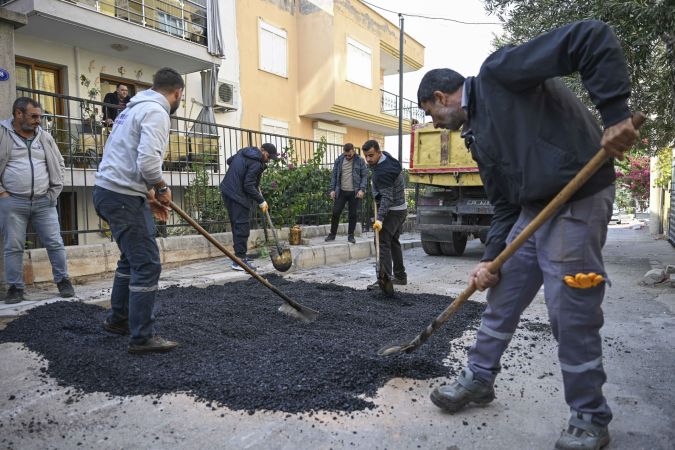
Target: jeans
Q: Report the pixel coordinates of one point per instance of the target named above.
(137, 275)
(342, 198)
(390, 247)
(241, 226)
(15, 213)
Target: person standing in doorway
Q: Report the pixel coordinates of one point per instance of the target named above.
(348, 186)
(119, 99)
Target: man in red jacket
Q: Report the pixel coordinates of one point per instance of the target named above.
(530, 135)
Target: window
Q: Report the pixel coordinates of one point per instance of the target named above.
(335, 139)
(274, 127)
(359, 64)
(273, 51)
(170, 24)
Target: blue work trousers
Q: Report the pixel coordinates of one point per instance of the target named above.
(138, 269)
(569, 243)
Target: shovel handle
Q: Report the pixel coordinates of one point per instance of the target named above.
(553, 206)
(233, 257)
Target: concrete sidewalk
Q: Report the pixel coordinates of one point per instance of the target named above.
(314, 252)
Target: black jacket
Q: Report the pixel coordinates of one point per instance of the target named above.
(242, 179)
(113, 99)
(388, 185)
(530, 134)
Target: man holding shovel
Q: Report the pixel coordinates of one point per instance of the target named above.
(128, 190)
(240, 188)
(530, 135)
(389, 195)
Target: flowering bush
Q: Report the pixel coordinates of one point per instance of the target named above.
(298, 193)
(633, 176)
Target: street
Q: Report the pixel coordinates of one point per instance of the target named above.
(529, 412)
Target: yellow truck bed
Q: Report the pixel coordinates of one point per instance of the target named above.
(439, 157)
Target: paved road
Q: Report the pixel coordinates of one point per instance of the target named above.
(529, 411)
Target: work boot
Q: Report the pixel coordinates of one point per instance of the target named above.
(582, 434)
(351, 239)
(14, 295)
(373, 287)
(117, 328)
(330, 237)
(401, 280)
(155, 344)
(65, 288)
(464, 390)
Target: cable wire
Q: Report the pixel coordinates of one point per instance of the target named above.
(431, 17)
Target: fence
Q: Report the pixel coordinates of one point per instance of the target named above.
(194, 164)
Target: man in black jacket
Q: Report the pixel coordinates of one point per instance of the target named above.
(119, 98)
(392, 210)
(239, 188)
(530, 135)
(348, 186)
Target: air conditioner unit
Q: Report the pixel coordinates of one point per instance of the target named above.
(226, 96)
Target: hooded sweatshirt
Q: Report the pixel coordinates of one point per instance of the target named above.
(242, 179)
(133, 154)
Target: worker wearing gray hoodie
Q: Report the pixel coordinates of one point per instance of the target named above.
(128, 190)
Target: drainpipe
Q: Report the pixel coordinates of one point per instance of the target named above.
(76, 54)
(400, 91)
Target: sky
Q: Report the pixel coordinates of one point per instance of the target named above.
(447, 44)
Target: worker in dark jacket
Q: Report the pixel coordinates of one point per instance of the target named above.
(530, 135)
(392, 210)
(348, 186)
(239, 188)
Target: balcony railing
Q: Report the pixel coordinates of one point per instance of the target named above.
(389, 105)
(184, 19)
(194, 163)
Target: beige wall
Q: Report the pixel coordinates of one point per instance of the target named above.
(317, 65)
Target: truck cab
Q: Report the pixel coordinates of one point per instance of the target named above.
(452, 206)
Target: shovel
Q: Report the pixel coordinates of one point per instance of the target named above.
(553, 206)
(281, 256)
(289, 307)
(382, 279)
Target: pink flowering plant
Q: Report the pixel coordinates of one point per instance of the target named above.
(632, 175)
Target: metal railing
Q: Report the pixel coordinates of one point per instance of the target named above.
(389, 105)
(194, 164)
(184, 19)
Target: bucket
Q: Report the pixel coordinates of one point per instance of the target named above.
(295, 235)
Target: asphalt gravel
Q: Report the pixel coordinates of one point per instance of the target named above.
(237, 351)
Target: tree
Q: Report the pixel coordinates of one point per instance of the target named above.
(633, 176)
(646, 30)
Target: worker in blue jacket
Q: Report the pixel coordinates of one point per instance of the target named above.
(240, 188)
(530, 135)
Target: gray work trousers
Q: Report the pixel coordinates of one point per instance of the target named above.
(568, 243)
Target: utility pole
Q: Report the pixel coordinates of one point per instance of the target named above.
(400, 91)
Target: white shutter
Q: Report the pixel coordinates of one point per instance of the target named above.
(273, 52)
(359, 63)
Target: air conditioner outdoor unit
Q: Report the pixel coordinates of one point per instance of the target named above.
(226, 96)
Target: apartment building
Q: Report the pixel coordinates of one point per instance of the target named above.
(71, 53)
(315, 69)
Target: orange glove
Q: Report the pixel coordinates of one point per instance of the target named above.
(583, 281)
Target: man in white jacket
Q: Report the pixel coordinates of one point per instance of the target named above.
(128, 190)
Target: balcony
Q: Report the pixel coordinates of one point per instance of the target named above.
(195, 157)
(135, 30)
(389, 105)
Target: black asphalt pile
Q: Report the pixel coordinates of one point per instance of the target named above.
(238, 351)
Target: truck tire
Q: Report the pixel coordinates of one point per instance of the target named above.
(431, 248)
(456, 247)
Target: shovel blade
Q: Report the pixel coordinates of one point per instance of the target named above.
(281, 261)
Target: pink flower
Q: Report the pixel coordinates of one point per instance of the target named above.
(291, 166)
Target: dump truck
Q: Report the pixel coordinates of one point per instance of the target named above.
(452, 205)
